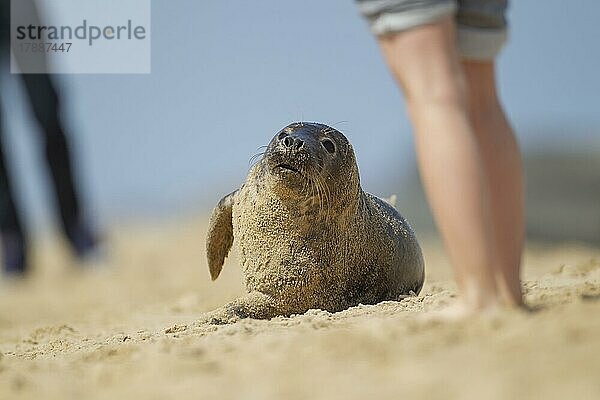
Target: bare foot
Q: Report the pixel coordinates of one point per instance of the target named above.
(461, 310)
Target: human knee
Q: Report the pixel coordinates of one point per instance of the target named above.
(449, 94)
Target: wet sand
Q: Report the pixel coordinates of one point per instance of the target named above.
(127, 331)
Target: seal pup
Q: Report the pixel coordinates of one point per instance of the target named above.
(309, 236)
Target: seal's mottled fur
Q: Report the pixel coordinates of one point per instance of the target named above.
(309, 237)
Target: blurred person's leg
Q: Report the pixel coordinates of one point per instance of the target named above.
(45, 106)
(14, 243)
(14, 246)
(425, 62)
(44, 102)
(503, 165)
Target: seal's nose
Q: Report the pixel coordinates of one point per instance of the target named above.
(292, 142)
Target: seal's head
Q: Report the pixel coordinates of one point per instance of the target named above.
(307, 159)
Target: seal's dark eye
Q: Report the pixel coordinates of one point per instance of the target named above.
(282, 135)
(329, 146)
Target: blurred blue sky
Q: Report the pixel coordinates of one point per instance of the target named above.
(226, 75)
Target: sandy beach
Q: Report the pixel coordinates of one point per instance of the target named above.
(127, 331)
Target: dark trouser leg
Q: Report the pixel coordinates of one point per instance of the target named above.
(44, 103)
(13, 239)
(45, 106)
(14, 244)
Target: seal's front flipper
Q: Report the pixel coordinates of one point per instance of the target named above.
(220, 235)
(254, 305)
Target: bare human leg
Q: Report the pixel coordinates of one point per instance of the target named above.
(503, 166)
(426, 64)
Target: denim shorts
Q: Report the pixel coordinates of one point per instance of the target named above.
(481, 23)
